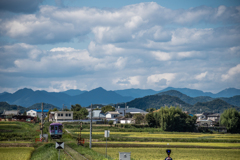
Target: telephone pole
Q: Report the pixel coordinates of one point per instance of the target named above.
(90, 139)
(42, 122)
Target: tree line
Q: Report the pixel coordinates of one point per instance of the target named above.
(171, 119)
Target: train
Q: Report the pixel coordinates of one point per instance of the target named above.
(56, 130)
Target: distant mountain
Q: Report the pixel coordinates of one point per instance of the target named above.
(186, 98)
(197, 93)
(100, 96)
(215, 106)
(189, 92)
(230, 92)
(156, 101)
(74, 92)
(27, 97)
(136, 93)
(45, 106)
(6, 106)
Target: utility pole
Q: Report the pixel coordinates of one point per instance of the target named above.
(90, 139)
(42, 122)
(63, 107)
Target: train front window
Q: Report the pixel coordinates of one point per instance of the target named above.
(52, 127)
(56, 127)
(60, 127)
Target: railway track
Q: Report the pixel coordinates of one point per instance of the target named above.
(72, 153)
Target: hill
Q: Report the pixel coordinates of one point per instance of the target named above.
(233, 100)
(229, 92)
(186, 98)
(45, 106)
(6, 106)
(156, 101)
(214, 106)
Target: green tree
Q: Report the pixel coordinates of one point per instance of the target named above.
(110, 123)
(79, 112)
(76, 107)
(24, 113)
(138, 118)
(150, 109)
(171, 119)
(150, 119)
(230, 118)
(107, 108)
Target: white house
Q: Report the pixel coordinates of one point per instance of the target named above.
(61, 116)
(126, 121)
(112, 114)
(201, 116)
(37, 113)
(203, 122)
(96, 114)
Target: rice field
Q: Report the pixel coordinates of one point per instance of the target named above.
(177, 153)
(169, 135)
(171, 144)
(16, 153)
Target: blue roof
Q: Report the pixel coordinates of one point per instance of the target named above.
(190, 115)
(41, 110)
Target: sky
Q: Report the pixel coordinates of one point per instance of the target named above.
(56, 45)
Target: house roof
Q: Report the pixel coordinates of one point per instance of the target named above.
(128, 110)
(113, 112)
(38, 111)
(198, 115)
(214, 115)
(12, 112)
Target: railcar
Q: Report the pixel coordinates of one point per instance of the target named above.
(56, 130)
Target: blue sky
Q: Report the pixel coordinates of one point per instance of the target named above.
(57, 45)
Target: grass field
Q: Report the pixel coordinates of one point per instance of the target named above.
(177, 153)
(16, 153)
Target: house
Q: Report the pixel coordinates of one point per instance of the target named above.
(9, 114)
(96, 114)
(204, 123)
(132, 111)
(112, 114)
(126, 121)
(214, 117)
(61, 116)
(201, 116)
(37, 113)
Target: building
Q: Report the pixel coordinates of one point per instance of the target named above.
(9, 114)
(201, 116)
(204, 123)
(214, 117)
(56, 116)
(37, 113)
(96, 114)
(126, 121)
(112, 114)
(132, 111)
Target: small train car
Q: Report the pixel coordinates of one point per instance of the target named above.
(56, 130)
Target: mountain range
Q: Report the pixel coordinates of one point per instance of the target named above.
(134, 97)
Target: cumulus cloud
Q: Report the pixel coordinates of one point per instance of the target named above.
(231, 73)
(142, 45)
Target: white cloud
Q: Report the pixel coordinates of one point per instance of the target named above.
(158, 77)
(231, 73)
(201, 76)
(161, 56)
